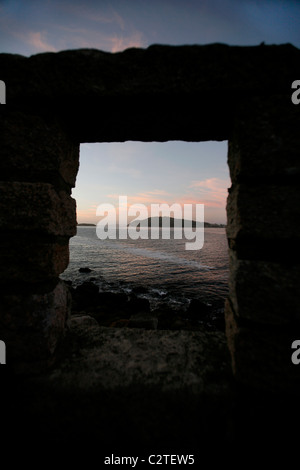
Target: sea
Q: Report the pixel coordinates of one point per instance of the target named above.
(160, 270)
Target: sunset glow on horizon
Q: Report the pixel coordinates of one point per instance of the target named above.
(148, 173)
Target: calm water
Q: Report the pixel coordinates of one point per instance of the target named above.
(170, 274)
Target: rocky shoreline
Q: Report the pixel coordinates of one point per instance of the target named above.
(133, 309)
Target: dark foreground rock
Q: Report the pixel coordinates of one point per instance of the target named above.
(139, 305)
(118, 309)
(138, 392)
(142, 320)
(198, 310)
(130, 387)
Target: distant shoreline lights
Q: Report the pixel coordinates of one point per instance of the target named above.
(115, 220)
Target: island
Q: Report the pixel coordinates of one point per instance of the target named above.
(86, 225)
(170, 222)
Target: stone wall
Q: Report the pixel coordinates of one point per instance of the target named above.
(38, 168)
(55, 101)
(263, 214)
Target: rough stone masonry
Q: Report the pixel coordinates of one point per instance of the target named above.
(55, 101)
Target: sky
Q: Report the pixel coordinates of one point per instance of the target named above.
(170, 172)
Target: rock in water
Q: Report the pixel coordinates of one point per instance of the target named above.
(85, 270)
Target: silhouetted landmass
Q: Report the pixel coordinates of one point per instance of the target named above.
(86, 225)
(170, 221)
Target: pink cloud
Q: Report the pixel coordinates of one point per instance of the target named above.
(212, 192)
(93, 37)
(160, 192)
(86, 39)
(37, 40)
(210, 184)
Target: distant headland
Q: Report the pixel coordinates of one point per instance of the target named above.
(86, 225)
(170, 222)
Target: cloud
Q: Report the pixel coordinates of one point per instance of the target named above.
(160, 192)
(209, 184)
(37, 40)
(95, 40)
(106, 30)
(211, 191)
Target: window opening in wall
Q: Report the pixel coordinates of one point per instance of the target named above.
(151, 283)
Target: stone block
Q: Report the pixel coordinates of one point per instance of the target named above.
(265, 140)
(33, 150)
(32, 326)
(36, 207)
(111, 359)
(263, 211)
(263, 291)
(32, 259)
(261, 358)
